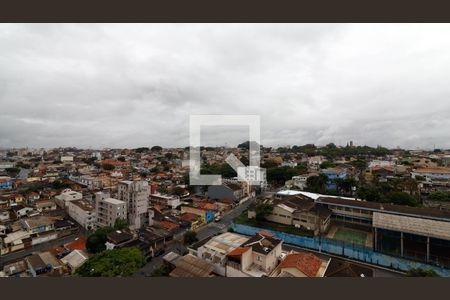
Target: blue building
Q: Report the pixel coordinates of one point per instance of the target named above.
(6, 183)
(332, 175)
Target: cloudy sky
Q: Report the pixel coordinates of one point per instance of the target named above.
(130, 85)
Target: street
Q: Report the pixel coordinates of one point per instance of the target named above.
(203, 232)
(4, 259)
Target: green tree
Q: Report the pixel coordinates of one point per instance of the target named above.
(96, 242)
(141, 149)
(317, 184)
(439, 196)
(190, 237)
(120, 224)
(161, 271)
(108, 167)
(89, 160)
(369, 193)
(326, 164)
(156, 148)
(262, 211)
(359, 165)
(121, 158)
(59, 185)
(12, 172)
(401, 198)
(418, 272)
(122, 262)
(280, 175)
(345, 185)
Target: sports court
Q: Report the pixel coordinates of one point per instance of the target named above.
(350, 235)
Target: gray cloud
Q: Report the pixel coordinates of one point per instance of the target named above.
(129, 85)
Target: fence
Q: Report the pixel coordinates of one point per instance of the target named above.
(351, 251)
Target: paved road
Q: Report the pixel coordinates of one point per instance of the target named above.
(202, 233)
(15, 256)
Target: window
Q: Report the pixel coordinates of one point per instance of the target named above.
(258, 258)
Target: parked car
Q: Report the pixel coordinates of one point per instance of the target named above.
(217, 219)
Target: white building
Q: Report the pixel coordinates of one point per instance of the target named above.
(66, 196)
(381, 163)
(83, 212)
(216, 249)
(291, 164)
(166, 200)
(66, 158)
(432, 174)
(75, 259)
(298, 182)
(108, 209)
(97, 155)
(136, 195)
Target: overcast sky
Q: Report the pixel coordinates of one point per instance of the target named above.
(103, 85)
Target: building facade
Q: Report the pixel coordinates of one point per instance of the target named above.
(136, 195)
(108, 209)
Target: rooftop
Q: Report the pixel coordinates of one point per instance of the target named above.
(37, 221)
(342, 268)
(114, 201)
(78, 244)
(305, 262)
(191, 266)
(422, 212)
(83, 204)
(262, 244)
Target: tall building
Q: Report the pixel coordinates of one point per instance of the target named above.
(136, 195)
(108, 209)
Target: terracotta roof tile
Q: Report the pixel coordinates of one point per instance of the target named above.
(307, 263)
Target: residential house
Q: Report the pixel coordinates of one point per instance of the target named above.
(257, 257)
(206, 215)
(431, 174)
(301, 264)
(38, 224)
(215, 250)
(344, 268)
(6, 183)
(74, 260)
(44, 205)
(333, 174)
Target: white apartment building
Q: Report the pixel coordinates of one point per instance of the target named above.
(108, 209)
(136, 195)
(66, 196)
(83, 212)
